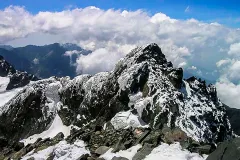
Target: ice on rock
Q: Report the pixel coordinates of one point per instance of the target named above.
(4, 83)
(61, 151)
(124, 120)
(129, 153)
(6, 95)
(162, 152)
(172, 152)
(56, 127)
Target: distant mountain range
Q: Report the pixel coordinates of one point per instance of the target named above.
(44, 61)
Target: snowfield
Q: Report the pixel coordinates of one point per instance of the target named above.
(129, 153)
(61, 151)
(64, 151)
(56, 127)
(162, 152)
(5, 95)
(173, 152)
(124, 120)
(4, 83)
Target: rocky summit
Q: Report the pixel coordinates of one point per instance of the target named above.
(143, 109)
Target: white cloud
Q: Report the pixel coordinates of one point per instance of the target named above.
(182, 64)
(102, 59)
(229, 82)
(234, 49)
(223, 62)
(70, 54)
(110, 34)
(187, 9)
(233, 71)
(192, 68)
(229, 93)
(36, 61)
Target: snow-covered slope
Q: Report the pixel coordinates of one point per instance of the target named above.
(62, 150)
(143, 100)
(161, 152)
(4, 83)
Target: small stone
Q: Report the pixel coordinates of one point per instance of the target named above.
(206, 149)
(84, 157)
(98, 132)
(59, 137)
(18, 146)
(101, 150)
(119, 158)
(3, 142)
(38, 140)
(143, 152)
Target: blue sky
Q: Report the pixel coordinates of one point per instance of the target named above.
(221, 11)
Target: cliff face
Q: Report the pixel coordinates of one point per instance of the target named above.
(143, 100)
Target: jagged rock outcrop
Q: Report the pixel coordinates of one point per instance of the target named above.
(226, 151)
(5, 68)
(17, 78)
(30, 111)
(144, 100)
(233, 116)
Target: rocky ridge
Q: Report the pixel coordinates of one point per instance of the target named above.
(17, 78)
(143, 101)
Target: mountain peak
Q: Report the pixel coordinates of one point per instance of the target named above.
(151, 53)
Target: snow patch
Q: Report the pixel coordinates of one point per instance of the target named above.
(61, 151)
(4, 83)
(129, 153)
(56, 127)
(124, 120)
(172, 152)
(6, 96)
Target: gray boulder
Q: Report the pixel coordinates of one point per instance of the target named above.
(101, 150)
(228, 150)
(119, 158)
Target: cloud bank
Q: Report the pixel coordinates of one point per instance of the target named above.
(209, 49)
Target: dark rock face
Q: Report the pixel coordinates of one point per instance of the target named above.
(20, 79)
(233, 116)
(40, 144)
(5, 67)
(176, 76)
(27, 113)
(3, 142)
(17, 78)
(143, 152)
(226, 151)
(11, 127)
